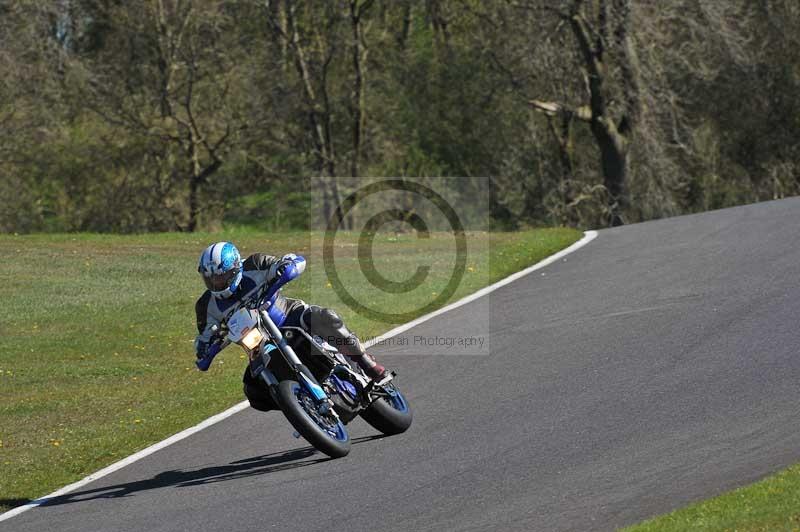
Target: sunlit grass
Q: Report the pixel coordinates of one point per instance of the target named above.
(96, 334)
(772, 504)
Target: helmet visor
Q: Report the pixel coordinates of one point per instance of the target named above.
(220, 281)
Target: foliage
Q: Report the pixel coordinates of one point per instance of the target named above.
(157, 115)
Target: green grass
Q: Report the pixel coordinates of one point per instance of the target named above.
(769, 505)
(96, 334)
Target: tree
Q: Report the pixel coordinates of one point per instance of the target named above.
(601, 35)
(358, 9)
(166, 74)
(310, 36)
(123, 116)
(30, 100)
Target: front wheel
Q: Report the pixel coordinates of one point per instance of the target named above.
(322, 430)
(389, 414)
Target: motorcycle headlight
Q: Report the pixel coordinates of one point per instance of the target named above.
(252, 338)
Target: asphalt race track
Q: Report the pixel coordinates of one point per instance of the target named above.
(656, 366)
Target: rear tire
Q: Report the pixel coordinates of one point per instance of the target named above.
(335, 444)
(389, 415)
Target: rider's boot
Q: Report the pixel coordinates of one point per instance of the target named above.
(354, 350)
(368, 363)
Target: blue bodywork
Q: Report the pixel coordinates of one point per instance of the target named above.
(343, 386)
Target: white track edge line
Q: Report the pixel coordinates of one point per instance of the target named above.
(127, 461)
(588, 236)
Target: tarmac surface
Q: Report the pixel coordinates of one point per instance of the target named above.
(656, 366)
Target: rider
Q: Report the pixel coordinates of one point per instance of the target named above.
(229, 280)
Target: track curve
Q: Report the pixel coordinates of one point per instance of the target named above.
(654, 367)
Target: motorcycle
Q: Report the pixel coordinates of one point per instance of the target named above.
(315, 386)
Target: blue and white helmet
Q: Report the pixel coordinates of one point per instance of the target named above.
(221, 268)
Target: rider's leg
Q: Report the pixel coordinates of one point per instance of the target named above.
(326, 323)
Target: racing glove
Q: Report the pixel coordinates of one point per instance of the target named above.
(277, 269)
(205, 354)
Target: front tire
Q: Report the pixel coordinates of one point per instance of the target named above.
(390, 415)
(326, 433)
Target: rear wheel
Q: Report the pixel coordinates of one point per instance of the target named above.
(389, 414)
(321, 429)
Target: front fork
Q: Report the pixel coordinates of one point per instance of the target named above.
(304, 376)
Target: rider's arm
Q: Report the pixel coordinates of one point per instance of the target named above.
(259, 261)
(271, 264)
(205, 322)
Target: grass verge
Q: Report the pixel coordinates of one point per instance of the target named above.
(96, 334)
(770, 504)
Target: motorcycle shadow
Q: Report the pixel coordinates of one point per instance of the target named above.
(248, 467)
